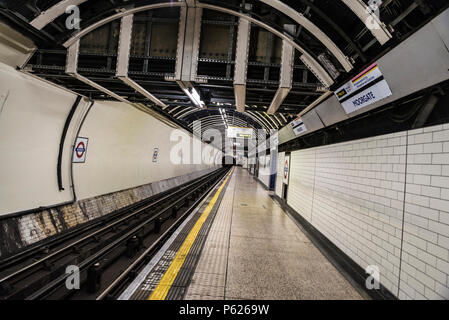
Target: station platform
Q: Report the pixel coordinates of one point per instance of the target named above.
(239, 244)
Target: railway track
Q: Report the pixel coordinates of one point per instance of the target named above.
(108, 253)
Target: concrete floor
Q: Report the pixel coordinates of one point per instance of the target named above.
(255, 251)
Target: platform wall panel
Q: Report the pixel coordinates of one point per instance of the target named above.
(358, 201)
(245, 163)
(279, 175)
(425, 256)
(265, 170)
(384, 201)
(32, 117)
(122, 141)
(302, 182)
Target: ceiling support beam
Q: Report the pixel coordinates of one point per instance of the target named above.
(313, 29)
(124, 48)
(271, 120)
(322, 75)
(315, 67)
(266, 124)
(286, 74)
(241, 63)
(182, 112)
(278, 121)
(124, 12)
(181, 116)
(187, 54)
(188, 44)
(336, 28)
(53, 13)
(59, 9)
(370, 19)
(72, 70)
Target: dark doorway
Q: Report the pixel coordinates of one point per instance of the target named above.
(284, 191)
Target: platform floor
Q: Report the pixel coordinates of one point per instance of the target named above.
(254, 250)
(240, 244)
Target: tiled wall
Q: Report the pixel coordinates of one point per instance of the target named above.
(16, 233)
(353, 193)
(302, 182)
(280, 166)
(425, 260)
(264, 170)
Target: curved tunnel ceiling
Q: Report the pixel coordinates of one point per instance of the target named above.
(48, 16)
(333, 40)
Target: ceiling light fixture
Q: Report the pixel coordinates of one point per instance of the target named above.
(191, 92)
(224, 117)
(194, 97)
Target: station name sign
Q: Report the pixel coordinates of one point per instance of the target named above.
(298, 126)
(365, 89)
(240, 132)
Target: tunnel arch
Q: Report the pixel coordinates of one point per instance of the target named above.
(308, 59)
(59, 9)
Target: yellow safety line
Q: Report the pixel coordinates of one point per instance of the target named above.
(167, 280)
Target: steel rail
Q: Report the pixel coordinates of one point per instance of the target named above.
(89, 260)
(109, 226)
(145, 254)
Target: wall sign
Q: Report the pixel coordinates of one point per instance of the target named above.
(239, 132)
(365, 89)
(156, 154)
(296, 122)
(300, 127)
(80, 150)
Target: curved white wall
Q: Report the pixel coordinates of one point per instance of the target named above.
(32, 116)
(384, 201)
(120, 150)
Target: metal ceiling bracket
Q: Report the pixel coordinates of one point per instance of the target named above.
(188, 51)
(124, 48)
(313, 29)
(370, 19)
(187, 64)
(72, 67)
(82, 32)
(260, 119)
(286, 74)
(54, 12)
(241, 63)
(316, 68)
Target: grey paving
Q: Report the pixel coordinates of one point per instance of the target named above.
(255, 251)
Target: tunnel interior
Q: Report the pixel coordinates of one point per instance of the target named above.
(192, 149)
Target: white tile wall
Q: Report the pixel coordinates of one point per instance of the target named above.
(245, 163)
(358, 201)
(353, 193)
(281, 157)
(426, 226)
(301, 184)
(264, 170)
